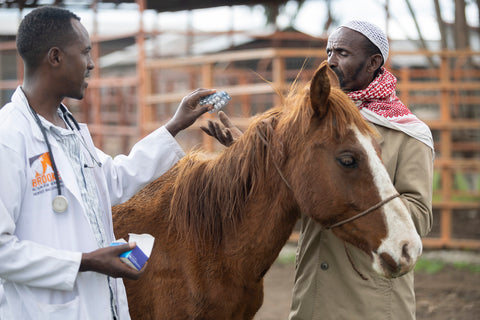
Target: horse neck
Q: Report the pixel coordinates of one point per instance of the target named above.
(268, 219)
(262, 234)
(235, 205)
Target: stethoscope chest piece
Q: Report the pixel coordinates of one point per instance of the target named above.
(60, 204)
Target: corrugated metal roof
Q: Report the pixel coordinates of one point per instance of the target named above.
(158, 5)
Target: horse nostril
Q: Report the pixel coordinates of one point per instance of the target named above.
(405, 254)
(389, 264)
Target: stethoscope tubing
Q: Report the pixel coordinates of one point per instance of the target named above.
(67, 116)
(49, 147)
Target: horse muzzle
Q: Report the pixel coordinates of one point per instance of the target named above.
(393, 264)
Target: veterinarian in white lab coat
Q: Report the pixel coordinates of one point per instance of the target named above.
(56, 262)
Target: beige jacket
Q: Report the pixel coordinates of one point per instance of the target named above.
(326, 285)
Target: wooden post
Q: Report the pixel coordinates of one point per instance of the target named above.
(405, 93)
(446, 153)
(278, 76)
(20, 70)
(141, 74)
(245, 100)
(207, 82)
(96, 100)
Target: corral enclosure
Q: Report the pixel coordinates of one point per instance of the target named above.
(128, 99)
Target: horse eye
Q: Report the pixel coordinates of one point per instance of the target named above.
(348, 161)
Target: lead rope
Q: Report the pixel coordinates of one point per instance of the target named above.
(361, 214)
(353, 265)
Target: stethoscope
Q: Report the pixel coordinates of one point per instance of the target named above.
(60, 202)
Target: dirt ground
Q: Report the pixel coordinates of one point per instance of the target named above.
(452, 293)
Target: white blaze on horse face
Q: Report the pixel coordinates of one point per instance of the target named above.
(402, 243)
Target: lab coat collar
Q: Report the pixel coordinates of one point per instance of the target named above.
(20, 100)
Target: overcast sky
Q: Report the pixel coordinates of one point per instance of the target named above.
(310, 19)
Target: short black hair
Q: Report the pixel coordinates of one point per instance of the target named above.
(42, 29)
(370, 50)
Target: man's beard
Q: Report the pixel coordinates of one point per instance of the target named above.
(341, 76)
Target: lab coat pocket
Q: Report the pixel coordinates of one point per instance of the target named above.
(32, 303)
(69, 310)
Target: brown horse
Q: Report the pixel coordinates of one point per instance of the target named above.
(220, 223)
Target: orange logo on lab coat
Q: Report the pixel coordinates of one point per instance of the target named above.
(43, 164)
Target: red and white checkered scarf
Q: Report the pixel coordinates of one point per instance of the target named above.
(379, 104)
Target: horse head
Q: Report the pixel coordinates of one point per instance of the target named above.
(331, 160)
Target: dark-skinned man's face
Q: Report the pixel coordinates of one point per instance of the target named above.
(348, 59)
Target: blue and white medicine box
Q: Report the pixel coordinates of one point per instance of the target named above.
(136, 257)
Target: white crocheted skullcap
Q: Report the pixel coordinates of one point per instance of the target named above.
(373, 33)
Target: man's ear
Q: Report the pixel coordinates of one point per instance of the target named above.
(375, 62)
(54, 56)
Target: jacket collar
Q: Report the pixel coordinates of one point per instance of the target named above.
(378, 137)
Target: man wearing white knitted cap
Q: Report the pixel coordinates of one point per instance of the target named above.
(334, 280)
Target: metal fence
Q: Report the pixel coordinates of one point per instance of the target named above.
(446, 95)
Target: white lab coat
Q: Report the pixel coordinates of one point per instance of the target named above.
(40, 250)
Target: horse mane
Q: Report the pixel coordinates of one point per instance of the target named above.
(210, 193)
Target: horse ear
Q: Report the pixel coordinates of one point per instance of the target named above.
(334, 82)
(320, 89)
